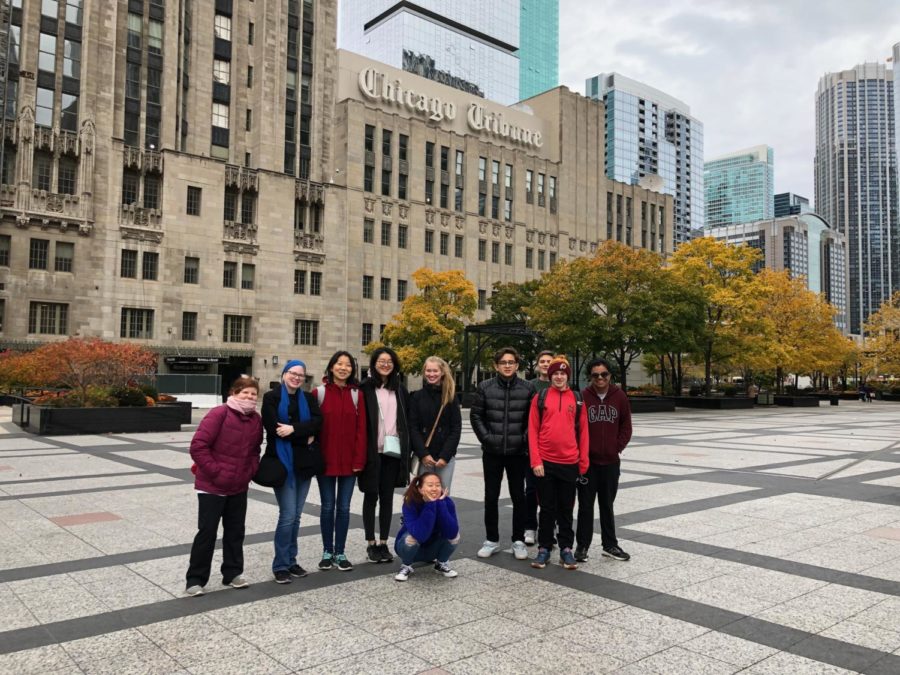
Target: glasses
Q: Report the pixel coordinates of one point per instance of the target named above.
(295, 374)
(384, 363)
(598, 376)
(507, 363)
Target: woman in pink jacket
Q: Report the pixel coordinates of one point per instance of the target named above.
(225, 450)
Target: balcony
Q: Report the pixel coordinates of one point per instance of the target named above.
(241, 178)
(308, 191)
(138, 223)
(309, 247)
(240, 237)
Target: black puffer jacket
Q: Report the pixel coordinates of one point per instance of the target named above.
(499, 415)
(367, 481)
(423, 409)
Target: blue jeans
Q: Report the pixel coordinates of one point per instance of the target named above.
(335, 516)
(438, 549)
(291, 499)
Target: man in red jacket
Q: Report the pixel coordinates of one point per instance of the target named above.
(609, 426)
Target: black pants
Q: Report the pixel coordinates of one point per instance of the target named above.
(387, 480)
(556, 495)
(515, 467)
(602, 485)
(232, 511)
(531, 501)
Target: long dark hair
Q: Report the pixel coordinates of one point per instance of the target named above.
(393, 381)
(412, 494)
(329, 376)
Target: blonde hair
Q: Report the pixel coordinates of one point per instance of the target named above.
(448, 384)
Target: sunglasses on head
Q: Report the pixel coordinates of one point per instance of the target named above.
(597, 376)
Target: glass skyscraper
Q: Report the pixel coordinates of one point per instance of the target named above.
(538, 47)
(740, 187)
(473, 46)
(652, 140)
(790, 204)
(856, 179)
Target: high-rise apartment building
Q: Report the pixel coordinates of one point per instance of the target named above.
(740, 187)
(538, 46)
(856, 180)
(790, 204)
(472, 46)
(651, 134)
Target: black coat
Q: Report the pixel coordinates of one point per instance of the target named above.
(307, 458)
(499, 415)
(423, 409)
(368, 478)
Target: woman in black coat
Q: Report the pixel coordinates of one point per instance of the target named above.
(388, 453)
(434, 407)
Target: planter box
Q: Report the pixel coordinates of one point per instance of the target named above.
(67, 421)
(713, 402)
(797, 401)
(890, 397)
(651, 404)
(184, 406)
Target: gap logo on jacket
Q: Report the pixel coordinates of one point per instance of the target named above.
(602, 413)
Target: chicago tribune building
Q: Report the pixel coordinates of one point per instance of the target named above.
(218, 182)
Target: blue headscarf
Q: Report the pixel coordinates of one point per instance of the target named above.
(283, 446)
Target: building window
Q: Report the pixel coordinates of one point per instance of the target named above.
(482, 298)
(482, 204)
(47, 53)
(128, 266)
(236, 328)
(458, 243)
(369, 138)
(150, 266)
(367, 284)
(151, 192)
(402, 185)
(445, 243)
(402, 236)
(193, 200)
(507, 210)
(64, 258)
(250, 75)
(385, 288)
(191, 270)
(401, 290)
(540, 189)
(220, 115)
(482, 169)
(5, 245)
(315, 283)
(495, 207)
(48, 318)
(154, 37)
(541, 264)
(482, 250)
(222, 27)
(529, 258)
(508, 254)
(552, 258)
(386, 183)
(495, 172)
(507, 176)
(229, 274)
(495, 252)
(251, 34)
(137, 323)
(130, 184)
(529, 186)
(248, 208)
(368, 231)
(248, 276)
(229, 211)
(42, 171)
(43, 107)
(460, 162)
(189, 326)
(366, 334)
(38, 254)
(66, 176)
(306, 332)
(385, 233)
(221, 71)
(299, 282)
(429, 241)
(402, 147)
(135, 29)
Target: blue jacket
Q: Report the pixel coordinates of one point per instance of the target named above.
(429, 521)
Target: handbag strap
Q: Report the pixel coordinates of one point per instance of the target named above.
(434, 426)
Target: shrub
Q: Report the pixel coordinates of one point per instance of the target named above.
(150, 390)
(130, 397)
(729, 390)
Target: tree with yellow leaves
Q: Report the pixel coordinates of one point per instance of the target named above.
(882, 339)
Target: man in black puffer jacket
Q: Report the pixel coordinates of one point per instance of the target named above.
(499, 418)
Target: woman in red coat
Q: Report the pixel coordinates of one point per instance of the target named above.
(343, 441)
(225, 450)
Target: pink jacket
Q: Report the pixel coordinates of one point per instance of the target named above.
(225, 449)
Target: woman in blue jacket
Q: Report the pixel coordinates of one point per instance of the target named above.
(430, 530)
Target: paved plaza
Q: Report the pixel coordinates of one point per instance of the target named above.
(762, 541)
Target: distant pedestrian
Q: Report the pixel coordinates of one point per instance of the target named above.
(225, 449)
(435, 421)
(430, 531)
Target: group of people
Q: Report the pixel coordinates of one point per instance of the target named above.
(551, 442)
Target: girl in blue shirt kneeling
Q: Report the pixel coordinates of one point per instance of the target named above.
(430, 530)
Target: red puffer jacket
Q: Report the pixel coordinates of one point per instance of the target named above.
(225, 448)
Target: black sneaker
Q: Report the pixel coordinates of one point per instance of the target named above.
(283, 577)
(616, 552)
(296, 571)
(581, 554)
(385, 554)
(341, 562)
(327, 561)
(373, 553)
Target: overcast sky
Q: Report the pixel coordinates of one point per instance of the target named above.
(748, 70)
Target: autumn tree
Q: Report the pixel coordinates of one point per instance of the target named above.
(882, 338)
(431, 322)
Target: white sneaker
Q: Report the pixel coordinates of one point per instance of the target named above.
(403, 574)
(194, 590)
(445, 569)
(530, 537)
(488, 548)
(519, 550)
(238, 582)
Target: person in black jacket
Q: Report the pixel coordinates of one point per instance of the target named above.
(387, 452)
(434, 407)
(291, 418)
(499, 418)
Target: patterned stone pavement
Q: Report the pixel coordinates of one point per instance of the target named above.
(763, 541)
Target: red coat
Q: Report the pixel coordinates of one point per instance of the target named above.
(552, 438)
(343, 434)
(225, 449)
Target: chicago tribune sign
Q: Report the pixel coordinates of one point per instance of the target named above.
(423, 65)
(376, 86)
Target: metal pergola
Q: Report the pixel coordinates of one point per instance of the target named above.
(488, 335)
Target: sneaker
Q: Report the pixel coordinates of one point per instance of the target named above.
(283, 577)
(403, 574)
(530, 537)
(194, 590)
(327, 561)
(385, 554)
(445, 569)
(296, 571)
(541, 559)
(238, 582)
(567, 560)
(373, 553)
(616, 552)
(488, 548)
(342, 563)
(581, 554)
(519, 550)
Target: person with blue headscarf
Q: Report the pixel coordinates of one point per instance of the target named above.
(291, 418)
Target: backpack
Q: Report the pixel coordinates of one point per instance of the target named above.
(354, 394)
(579, 402)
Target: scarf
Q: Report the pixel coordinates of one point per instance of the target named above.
(241, 405)
(283, 446)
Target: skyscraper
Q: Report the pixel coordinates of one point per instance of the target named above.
(648, 134)
(856, 180)
(740, 187)
(473, 46)
(538, 46)
(790, 204)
